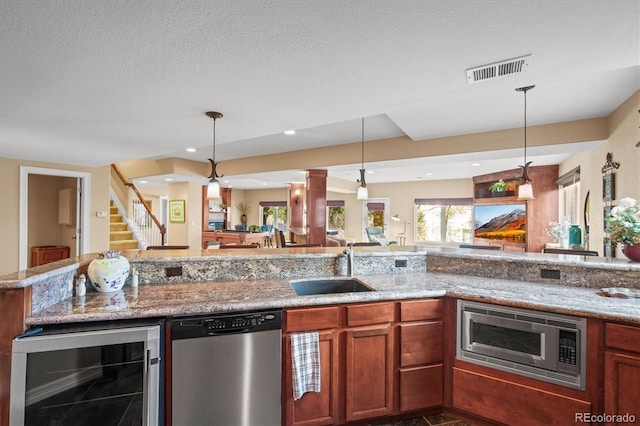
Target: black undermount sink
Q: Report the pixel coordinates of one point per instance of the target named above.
(329, 286)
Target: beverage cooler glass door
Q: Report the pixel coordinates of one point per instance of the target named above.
(101, 376)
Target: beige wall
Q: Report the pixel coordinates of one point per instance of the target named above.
(10, 198)
(623, 134)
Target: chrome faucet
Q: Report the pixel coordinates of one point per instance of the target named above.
(348, 252)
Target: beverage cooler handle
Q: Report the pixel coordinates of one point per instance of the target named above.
(151, 362)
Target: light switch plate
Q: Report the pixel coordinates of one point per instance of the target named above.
(101, 213)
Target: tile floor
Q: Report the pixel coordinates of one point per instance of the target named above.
(432, 420)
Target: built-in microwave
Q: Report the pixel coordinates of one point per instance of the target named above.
(545, 346)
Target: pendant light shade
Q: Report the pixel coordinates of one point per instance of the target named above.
(525, 190)
(213, 189)
(363, 193)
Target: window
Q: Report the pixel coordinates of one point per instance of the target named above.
(569, 196)
(444, 220)
(335, 216)
(274, 213)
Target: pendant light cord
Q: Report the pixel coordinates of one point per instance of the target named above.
(525, 127)
(363, 142)
(213, 157)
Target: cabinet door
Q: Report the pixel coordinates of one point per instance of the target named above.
(316, 408)
(622, 385)
(369, 372)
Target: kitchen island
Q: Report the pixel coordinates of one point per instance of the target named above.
(245, 280)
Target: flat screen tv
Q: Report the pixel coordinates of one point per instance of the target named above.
(506, 222)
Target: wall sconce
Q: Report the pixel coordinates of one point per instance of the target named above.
(297, 194)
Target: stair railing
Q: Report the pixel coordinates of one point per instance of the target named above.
(144, 223)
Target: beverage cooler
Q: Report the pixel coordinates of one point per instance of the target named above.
(98, 373)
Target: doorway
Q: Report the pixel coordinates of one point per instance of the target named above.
(375, 212)
(77, 218)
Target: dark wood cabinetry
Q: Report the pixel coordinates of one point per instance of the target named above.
(377, 360)
(219, 217)
(420, 371)
(539, 211)
(42, 255)
(622, 373)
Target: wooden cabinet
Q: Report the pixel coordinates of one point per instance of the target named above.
(539, 211)
(420, 369)
(369, 361)
(622, 372)
(376, 360)
(509, 402)
(42, 255)
(216, 215)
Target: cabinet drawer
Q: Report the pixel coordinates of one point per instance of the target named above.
(622, 337)
(370, 313)
(421, 387)
(420, 343)
(416, 310)
(312, 318)
(512, 403)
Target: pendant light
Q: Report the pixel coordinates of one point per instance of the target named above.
(525, 190)
(213, 189)
(363, 193)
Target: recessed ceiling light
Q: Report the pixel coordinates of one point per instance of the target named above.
(225, 181)
(370, 172)
(264, 183)
(168, 180)
(428, 174)
(191, 150)
(475, 164)
(143, 181)
(289, 132)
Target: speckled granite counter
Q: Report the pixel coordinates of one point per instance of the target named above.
(200, 298)
(238, 281)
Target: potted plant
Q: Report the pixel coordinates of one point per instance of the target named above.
(499, 188)
(624, 227)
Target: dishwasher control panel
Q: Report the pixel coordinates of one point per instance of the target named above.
(211, 325)
(249, 320)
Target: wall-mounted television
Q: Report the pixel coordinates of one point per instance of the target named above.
(506, 222)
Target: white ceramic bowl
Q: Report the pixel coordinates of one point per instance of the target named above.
(108, 275)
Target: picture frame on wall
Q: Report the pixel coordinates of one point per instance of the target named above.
(176, 210)
(608, 187)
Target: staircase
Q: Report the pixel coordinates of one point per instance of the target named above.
(119, 237)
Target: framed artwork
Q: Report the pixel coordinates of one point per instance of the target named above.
(608, 186)
(176, 210)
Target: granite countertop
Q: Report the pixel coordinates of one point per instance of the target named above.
(175, 299)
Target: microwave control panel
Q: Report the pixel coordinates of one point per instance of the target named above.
(567, 349)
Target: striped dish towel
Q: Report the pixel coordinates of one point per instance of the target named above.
(305, 357)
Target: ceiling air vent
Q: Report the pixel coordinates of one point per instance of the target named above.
(498, 69)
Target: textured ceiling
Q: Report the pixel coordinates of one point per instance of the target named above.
(89, 82)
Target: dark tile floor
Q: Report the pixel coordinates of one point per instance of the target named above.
(432, 420)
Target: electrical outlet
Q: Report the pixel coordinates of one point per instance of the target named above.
(174, 271)
(401, 263)
(550, 273)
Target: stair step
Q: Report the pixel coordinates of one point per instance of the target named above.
(123, 245)
(114, 218)
(118, 226)
(120, 235)
(113, 209)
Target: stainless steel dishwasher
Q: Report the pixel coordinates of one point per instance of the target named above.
(226, 369)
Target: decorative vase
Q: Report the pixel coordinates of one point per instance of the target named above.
(632, 251)
(107, 275)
